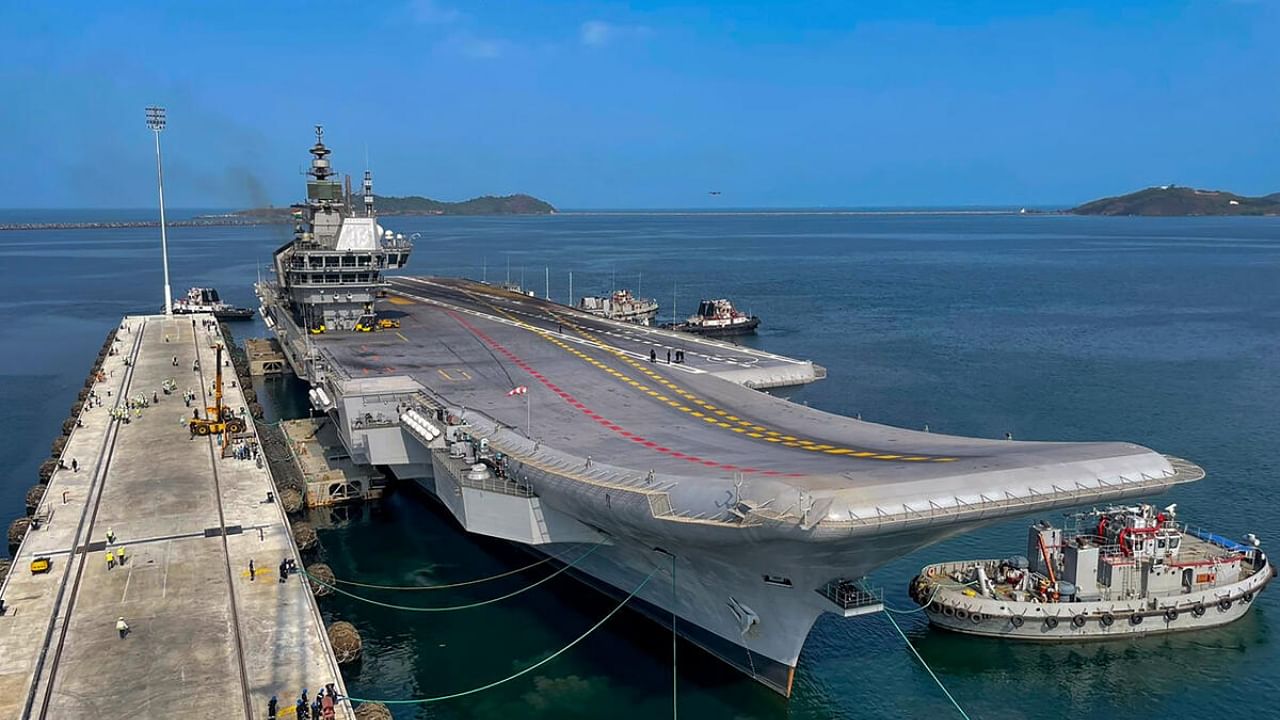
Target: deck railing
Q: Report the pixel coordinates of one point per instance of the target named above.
(848, 594)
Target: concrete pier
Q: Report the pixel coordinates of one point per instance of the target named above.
(205, 640)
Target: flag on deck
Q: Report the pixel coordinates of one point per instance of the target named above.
(520, 390)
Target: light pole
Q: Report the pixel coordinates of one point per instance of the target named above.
(155, 121)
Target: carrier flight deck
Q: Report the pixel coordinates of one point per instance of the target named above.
(644, 453)
(593, 389)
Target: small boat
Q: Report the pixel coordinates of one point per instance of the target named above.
(621, 305)
(206, 300)
(718, 318)
(1115, 572)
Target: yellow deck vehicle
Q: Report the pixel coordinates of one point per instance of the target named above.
(218, 418)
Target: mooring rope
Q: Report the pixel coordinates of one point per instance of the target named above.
(928, 669)
(450, 608)
(919, 608)
(531, 668)
(675, 706)
(447, 586)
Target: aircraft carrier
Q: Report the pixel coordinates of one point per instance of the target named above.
(577, 436)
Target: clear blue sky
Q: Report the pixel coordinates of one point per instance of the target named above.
(599, 104)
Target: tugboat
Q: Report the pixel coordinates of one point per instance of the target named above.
(718, 318)
(1119, 571)
(621, 305)
(206, 300)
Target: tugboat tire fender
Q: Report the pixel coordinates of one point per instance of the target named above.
(1108, 619)
(1051, 622)
(1198, 610)
(976, 618)
(962, 614)
(1224, 604)
(1247, 597)
(1078, 620)
(1135, 619)
(1171, 614)
(936, 607)
(1016, 621)
(948, 611)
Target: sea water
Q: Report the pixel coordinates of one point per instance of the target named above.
(1164, 332)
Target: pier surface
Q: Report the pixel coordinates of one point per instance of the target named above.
(205, 639)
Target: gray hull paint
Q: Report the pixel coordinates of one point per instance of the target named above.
(821, 526)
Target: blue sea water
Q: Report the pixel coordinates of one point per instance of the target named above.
(1164, 332)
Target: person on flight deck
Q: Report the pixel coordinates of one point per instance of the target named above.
(122, 627)
(120, 555)
(273, 704)
(653, 355)
(111, 560)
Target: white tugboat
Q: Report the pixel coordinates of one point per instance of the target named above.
(1119, 571)
(621, 305)
(719, 318)
(206, 300)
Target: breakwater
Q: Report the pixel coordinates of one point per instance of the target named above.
(210, 221)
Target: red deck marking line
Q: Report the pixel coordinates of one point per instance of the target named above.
(574, 402)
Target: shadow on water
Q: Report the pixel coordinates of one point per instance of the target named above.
(410, 539)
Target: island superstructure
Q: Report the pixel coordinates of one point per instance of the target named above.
(762, 512)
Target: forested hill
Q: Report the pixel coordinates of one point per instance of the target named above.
(1171, 200)
(417, 205)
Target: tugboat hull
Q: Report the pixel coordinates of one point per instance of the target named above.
(227, 314)
(746, 328)
(956, 611)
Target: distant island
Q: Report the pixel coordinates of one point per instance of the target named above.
(518, 204)
(1175, 201)
(486, 205)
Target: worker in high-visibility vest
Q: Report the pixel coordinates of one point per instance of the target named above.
(111, 559)
(120, 555)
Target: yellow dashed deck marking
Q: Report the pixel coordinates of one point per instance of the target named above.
(746, 427)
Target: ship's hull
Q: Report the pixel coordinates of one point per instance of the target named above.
(744, 328)
(720, 600)
(222, 314)
(1095, 620)
(746, 577)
